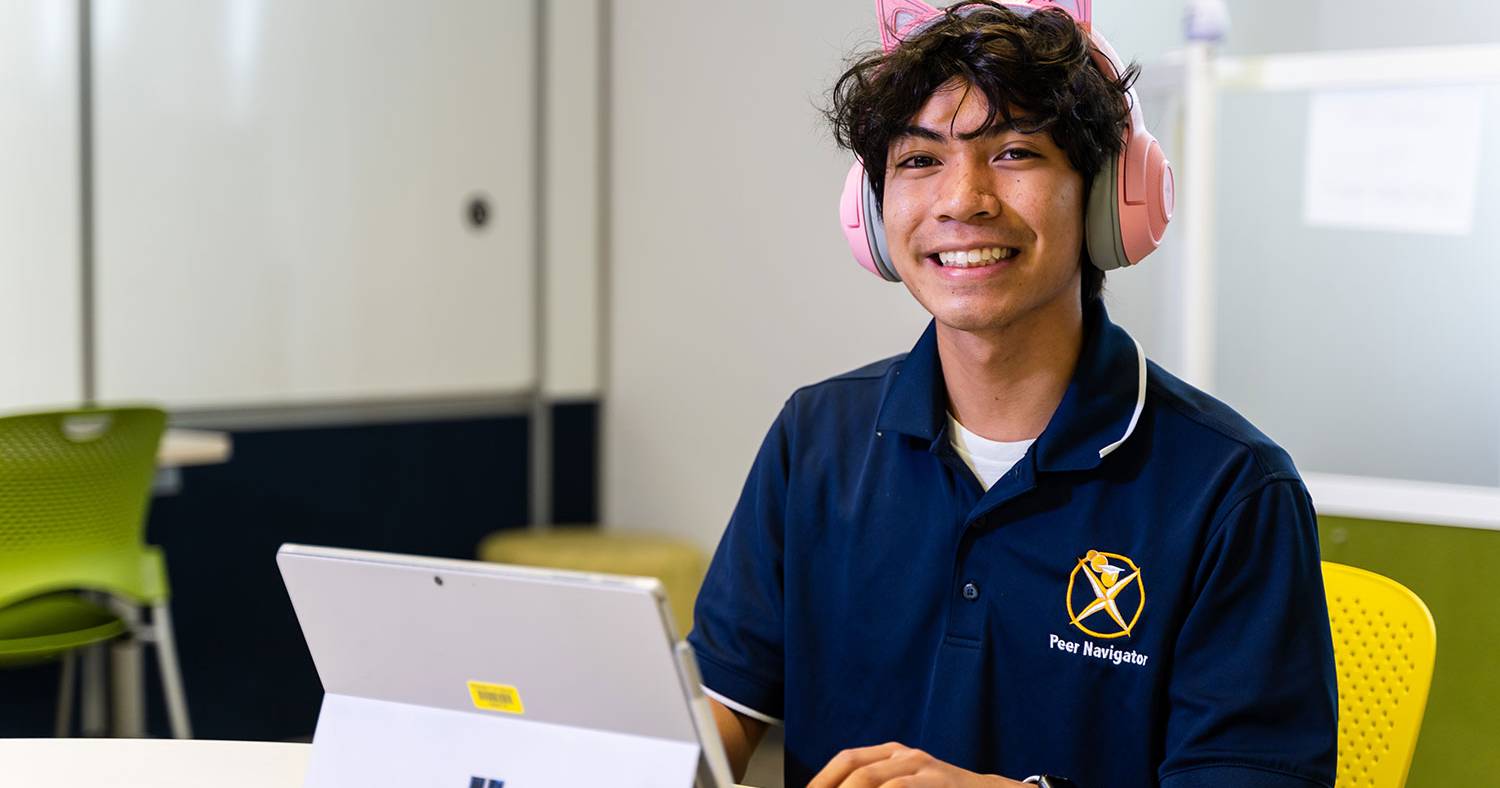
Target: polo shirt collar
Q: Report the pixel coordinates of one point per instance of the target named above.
(1098, 412)
(916, 404)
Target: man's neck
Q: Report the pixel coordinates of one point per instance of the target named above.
(1005, 384)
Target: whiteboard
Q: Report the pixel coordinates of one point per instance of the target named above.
(40, 350)
(282, 194)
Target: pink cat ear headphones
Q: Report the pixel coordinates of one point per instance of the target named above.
(1130, 201)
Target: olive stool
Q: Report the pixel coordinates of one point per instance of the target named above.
(678, 564)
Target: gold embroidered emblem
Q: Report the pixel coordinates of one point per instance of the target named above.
(1116, 587)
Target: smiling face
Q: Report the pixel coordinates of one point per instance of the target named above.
(985, 228)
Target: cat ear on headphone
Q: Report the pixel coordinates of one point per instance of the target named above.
(898, 17)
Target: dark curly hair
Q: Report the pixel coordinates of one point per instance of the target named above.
(1040, 64)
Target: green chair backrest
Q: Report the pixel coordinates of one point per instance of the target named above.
(74, 487)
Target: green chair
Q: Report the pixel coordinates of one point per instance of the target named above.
(74, 487)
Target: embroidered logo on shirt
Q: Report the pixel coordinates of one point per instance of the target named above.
(1113, 594)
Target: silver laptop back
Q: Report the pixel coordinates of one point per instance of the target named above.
(458, 673)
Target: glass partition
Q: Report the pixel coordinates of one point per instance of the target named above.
(1363, 352)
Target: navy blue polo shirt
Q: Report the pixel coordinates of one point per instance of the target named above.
(1139, 601)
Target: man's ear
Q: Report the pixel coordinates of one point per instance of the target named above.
(898, 17)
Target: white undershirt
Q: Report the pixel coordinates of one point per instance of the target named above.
(989, 460)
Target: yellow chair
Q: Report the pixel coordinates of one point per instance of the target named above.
(1385, 645)
(679, 565)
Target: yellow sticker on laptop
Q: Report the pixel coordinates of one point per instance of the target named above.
(496, 697)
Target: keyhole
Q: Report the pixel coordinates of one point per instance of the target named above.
(479, 211)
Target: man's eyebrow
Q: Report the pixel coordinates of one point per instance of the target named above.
(993, 130)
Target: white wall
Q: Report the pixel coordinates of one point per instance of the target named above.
(730, 281)
(572, 303)
(40, 325)
(1143, 29)
(1265, 26)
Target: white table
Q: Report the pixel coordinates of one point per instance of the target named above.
(151, 763)
(181, 448)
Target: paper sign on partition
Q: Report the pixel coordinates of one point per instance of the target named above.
(1399, 160)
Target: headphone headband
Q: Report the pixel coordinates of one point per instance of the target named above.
(900, 18)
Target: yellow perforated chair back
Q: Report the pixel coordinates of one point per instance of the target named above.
(1385, 645)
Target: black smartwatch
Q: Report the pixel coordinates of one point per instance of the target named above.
(1050, 781)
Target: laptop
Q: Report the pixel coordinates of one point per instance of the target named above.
(462, 674)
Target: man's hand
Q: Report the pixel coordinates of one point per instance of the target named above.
(898, 766)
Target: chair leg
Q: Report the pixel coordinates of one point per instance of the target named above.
(64, 724)
(93, 691)
(127, 675)
(171, 674)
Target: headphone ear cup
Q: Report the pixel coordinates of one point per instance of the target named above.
(861, 223)
(1144, 221)
(875, 229)
(1102, 233)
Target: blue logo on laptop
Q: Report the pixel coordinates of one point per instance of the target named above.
(480, 782)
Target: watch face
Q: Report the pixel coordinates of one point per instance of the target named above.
(1048, 781)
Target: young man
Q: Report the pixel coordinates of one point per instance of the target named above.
(1020, 549)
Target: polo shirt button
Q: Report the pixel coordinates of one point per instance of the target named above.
(971, 591)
